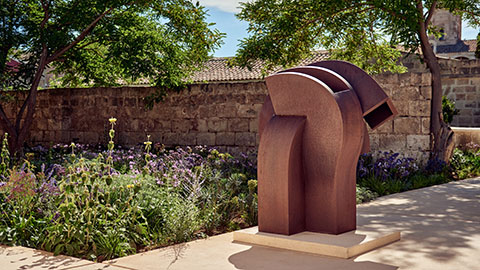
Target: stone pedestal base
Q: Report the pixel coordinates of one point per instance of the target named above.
(346, 245)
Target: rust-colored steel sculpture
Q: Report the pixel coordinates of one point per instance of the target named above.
(311, 135)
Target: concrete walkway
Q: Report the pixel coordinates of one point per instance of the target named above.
(440, 230)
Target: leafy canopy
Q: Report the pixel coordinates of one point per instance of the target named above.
(104, 42)
(365, 32)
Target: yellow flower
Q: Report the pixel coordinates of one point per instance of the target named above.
(130, 186)
(112, 120)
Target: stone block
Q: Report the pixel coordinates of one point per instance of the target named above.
(202, 125)
(253, 125)
(402, 107)
(223, 110)
(386, 128)
(426, 78)
(41, 124)
(375, 142)
(405, 79)
(162, 125)
(471, 97)
(465, 112)
(465, 121)
(469, 89)
(475, 81)
(407, 125)
(255, 98)
(407, 93)
(204, 112)
(419, 108)
(170, 139)
(470, 104)
(425, 125)
(418, 142)
(54, 125)
(460, 104)
(238, 98)
(130, 102)
(225, 138)
(462, 81)
(238, 124)
(206, 139)
(426, 92)
(245, 139)
(132, 125)
(182, 125)
(248, 111)
(217, 99)
(146, 125)
(187, 139)
(49, 136)
(395, 143)
(217, 125)
(66, 124)
(383, 79)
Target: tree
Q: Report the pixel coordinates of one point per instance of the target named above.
(99, 43)
(365, 32)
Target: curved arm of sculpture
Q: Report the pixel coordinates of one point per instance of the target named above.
(376, 105)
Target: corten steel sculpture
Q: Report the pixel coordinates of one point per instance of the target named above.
(312, 132)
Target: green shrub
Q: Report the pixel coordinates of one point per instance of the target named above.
(448, 110)
(365, 195)
(466, 163)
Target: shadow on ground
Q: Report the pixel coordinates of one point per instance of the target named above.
(440, 222)
(270, 258)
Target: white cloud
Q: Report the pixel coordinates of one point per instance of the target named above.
(224, 5)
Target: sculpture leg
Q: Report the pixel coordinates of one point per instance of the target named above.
(280, 179)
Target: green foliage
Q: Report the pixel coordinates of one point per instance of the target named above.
(5, 155)
(104, 42)
(448, 110)
(466, 163)
(366, 33)
(365, 195)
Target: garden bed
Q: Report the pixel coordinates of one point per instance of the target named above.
(101, 203)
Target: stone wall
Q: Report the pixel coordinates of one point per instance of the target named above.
(217, 114)
(408, 133)
(461, 83)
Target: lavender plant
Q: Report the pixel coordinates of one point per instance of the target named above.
(388, 173)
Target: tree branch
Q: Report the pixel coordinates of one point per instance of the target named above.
(40, 68)
(6, 123)
(430, 13)
(80, 37)
(474, 16)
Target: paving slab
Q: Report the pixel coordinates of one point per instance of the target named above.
(440, 228)
(13, 258)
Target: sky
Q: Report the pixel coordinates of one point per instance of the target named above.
(222, 12)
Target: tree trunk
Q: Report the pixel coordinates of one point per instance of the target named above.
(441, 135)
(18, 133)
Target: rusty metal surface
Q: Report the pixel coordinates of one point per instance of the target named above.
(312, 134)
(369, 93)
(281, 208)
